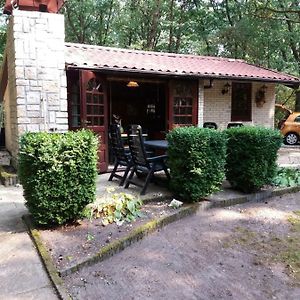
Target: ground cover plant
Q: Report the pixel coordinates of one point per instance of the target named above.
(251, 156)
(58, 173)
(287, 177)
(114, 207)
(196, 157)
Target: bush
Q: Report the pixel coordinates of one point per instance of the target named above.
(251, 156)
(58, 173)
(196, 161)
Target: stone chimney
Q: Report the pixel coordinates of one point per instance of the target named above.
(36, 96)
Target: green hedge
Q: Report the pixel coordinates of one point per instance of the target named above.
(58, 173)
(196, 161)
(251, 156)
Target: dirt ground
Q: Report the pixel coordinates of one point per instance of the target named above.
(248, 251)
(71, 243)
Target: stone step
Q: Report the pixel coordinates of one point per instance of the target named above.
(8, 176)
(5, 158)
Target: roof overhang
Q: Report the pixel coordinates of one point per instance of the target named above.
(125, 71)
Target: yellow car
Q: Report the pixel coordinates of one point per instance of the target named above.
(290, 126)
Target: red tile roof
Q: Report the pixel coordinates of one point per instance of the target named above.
(114, 59)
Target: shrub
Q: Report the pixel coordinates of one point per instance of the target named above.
(251, 156)
(196, 161)
(58, 173)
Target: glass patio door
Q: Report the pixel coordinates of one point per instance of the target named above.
(93, 111)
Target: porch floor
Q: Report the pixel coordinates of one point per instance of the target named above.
(154, 191)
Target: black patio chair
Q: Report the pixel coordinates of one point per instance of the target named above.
(121, 155)
(141, 162)
(211, 125)
(235, 124)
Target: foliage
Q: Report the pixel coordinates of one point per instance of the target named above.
(58, 173)
(262, 32)
(117, 207)
(251, 156)
(287, 177)
(3, 20)
(196, 161)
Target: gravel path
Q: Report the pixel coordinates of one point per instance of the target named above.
(244, 252)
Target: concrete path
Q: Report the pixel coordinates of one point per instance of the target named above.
(22, 275)
(289, 156)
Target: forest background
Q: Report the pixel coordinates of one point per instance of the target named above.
(266, 32)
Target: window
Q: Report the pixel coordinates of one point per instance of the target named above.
(184, 106)
(241, 102)
(297, 119)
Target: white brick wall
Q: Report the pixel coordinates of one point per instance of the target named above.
(217, 107)
(36, 74)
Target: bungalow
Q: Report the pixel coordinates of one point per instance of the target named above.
(49, 85)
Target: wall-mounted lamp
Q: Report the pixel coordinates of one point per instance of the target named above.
(225, 89)
(263, 88)
(260, 96)
(132, 84)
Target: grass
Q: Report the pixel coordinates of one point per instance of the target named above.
(272, 248)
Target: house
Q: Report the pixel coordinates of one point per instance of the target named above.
(49, 85)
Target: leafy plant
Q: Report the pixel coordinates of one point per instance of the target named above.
(196, 157)
(58, 173)
(117, 207)
(287, 177)
(89, 237)
(251, 156)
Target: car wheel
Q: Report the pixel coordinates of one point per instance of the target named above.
(291, 139)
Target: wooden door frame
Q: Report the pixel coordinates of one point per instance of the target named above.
(84, 77)
(195, 105)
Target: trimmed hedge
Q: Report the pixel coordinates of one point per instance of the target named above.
(251, 157)
(197, 161)
(58, 173)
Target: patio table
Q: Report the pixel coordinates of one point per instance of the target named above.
(157, 144)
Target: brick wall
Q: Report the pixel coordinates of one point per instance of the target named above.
(217, 107)
(36, 72)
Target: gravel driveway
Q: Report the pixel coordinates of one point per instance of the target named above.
(248, 251)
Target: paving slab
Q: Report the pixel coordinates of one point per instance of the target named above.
(21, 271)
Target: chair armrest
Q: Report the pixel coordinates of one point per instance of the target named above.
(157, 158)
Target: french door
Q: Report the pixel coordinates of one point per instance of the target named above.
(94, 111)
(88, 109)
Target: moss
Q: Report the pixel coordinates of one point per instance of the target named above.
(297, 212)
(134, 236)
(245, 236)
(47, 260)
(288, 249)
(6, 174)
(294, 220)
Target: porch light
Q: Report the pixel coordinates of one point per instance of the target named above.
(132, 84)
(226, 87)
(263, 88)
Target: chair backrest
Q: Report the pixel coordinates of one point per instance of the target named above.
(136, 145)
(116, 142)
(211, 125)
(235, 124)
